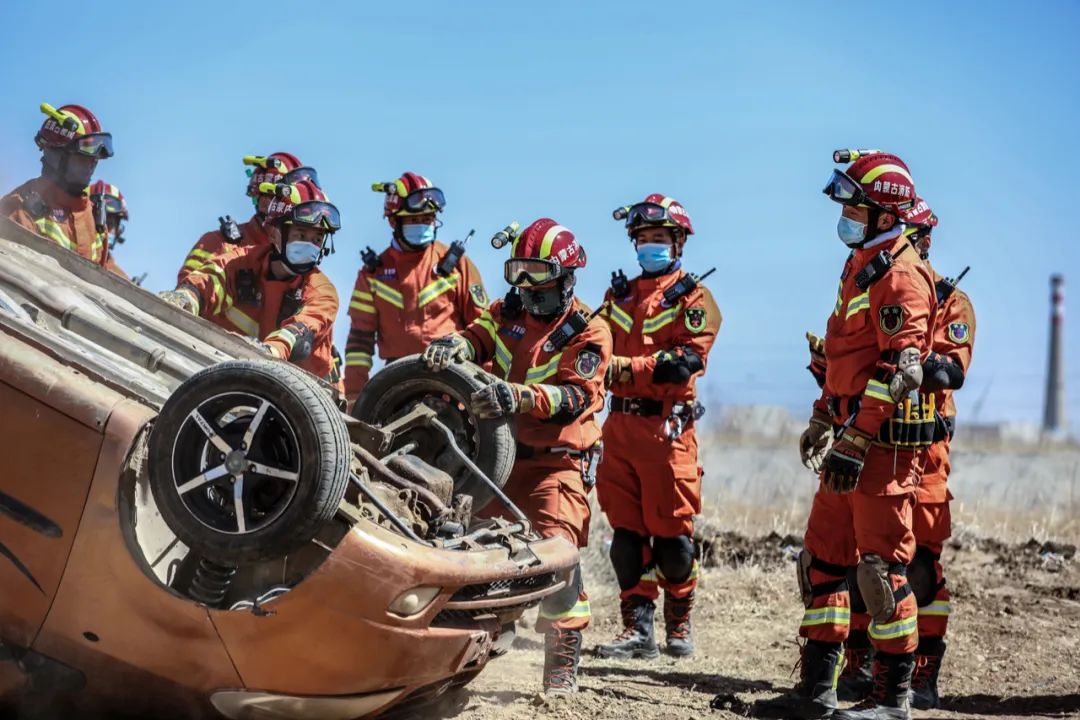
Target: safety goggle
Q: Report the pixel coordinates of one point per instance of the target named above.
(113, 205)
(426, 200)
(317, 213)
(302, 173)
(842, 189)
(530, 272)
(96, 145)
(647, 214)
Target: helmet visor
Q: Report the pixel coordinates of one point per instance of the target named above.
(842, 189)
(426, 200)
(529, 272)
(317, 213)
(98, 145)
(302, 173)
(647, 214)
(113, 204)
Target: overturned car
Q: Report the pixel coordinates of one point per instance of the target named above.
(188, 529)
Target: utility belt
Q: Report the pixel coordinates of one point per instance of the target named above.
(916, 423)
(590, 458)
(681, 415)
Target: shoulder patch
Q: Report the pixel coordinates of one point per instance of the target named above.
(891, 319)
(587, 362)
(478, 295)
(695, 319)
(959, 332)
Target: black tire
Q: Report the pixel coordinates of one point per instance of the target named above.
(490, 444)
(300, 440)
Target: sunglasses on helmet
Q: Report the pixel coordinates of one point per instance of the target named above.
(317, 213)
(96, 145)
(646, 214)
(530, 272)
(302, 173)
(426, 200)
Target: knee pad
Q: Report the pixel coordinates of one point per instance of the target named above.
(566, 598)
(809, 591)
(674, 557)
(877, 593)
(857, 603)
(922, 576)
(627, 557)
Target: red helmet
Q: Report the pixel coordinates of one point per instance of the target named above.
(410, 194)
(115, 204)
(876, 179)
(301, 203)
(73, 128)
(543, 252)
(270, 169)
(920, 221)
(656, 210)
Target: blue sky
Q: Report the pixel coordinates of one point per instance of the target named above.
(567, 109)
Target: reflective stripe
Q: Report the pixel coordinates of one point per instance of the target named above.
(387, 293)
(488, 323)
(502, 356)
(358, 359)
(649, 575)
(361, 295)
(362, 307)
(241, 320)
(285, 335)
(217, 277)
(941, 608)
(621, 318)
(889, 631)
(554, 395)
(581, 609)
(880, 170)
(196, 301)
(828, 615)
(55, 232)
(543, 372)
(95, 249)
(548, 241)
(653, 324)
(878, 390)
(839, 299)
(857, 303)
(436, 289)
(657, 573)
(202, 254)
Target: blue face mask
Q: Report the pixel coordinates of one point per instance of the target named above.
(654, 257)
(418, 235)
(852, 232)
(300, 253)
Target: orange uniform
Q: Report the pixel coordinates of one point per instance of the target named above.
(295, 316)
(402, 305)
(650, 484)
(213, 243)
(557, 439)
(866, 331)
(43, 207)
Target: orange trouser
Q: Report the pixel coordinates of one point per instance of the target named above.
(651, 486)
(933, 526)
(550, 491)
(874, 519)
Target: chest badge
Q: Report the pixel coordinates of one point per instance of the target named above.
(891, 319)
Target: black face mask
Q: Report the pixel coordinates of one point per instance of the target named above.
(70, 176)
(549, 302)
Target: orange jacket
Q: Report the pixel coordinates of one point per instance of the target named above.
(641, 326)
(295, 317)
(213, 243)
(570, 379)
(868, 327)
(68, 221)
(403, 305)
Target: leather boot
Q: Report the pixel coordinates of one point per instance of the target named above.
(814, 695)
(680, 639)
(562, 653)
(889, 698)
(857, 680)
(637, 639)
(924, 692)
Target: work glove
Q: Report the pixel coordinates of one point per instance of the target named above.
(180, 299)
(844, 463)
(440, 353)
(814, 440)
(817, 357)
(618, 371)
(502, 398)
(264, 347)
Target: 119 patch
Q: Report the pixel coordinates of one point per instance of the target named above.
(959, 332)
(891, 319)
(695, 319)
(587, 363)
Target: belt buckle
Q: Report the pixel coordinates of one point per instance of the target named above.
(634, 406)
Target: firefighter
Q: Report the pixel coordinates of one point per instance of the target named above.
(271, 170)
(110, 212)
(663, 324)
(55, 205)
(274, 293)
(416, 290)
(549, 359)
(877, 337)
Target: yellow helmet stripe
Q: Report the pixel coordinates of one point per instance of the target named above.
(549, 240)
(880, 170)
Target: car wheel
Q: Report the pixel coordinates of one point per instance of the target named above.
(248, 459)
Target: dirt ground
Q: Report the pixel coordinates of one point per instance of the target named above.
(1014, 642)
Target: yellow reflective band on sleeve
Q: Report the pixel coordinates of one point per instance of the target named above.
(196, 301)
(941, 608)
(358, 359)
(193, 264)
(238, 318)
(437, 288)
(839, 299)
(890, 631)
(285, 335)
(387, 293)
(96, 248)
(502, 356)
(580, 609)
(201, 254)
(827, 615)
(665, 318)
(554, 395)
(542, 372)
(621, 318)
(362, 307)
(55, 232)
(878, 390)
(361, 295)
(857, 303)
(488, 323)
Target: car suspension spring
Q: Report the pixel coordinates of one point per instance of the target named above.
(211, 582)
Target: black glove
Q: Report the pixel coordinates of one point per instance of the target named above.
(844, 463)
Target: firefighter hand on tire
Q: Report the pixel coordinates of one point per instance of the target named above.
(502, 398)
(814, 440)
(440, 353)
(844, 463)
